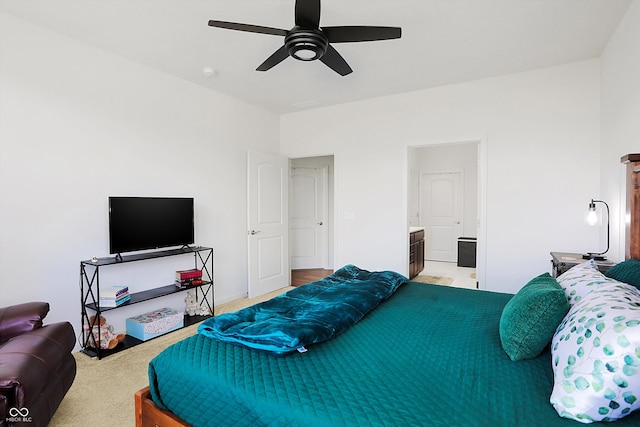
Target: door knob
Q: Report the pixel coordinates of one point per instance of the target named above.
(252, 232)
(320, 223)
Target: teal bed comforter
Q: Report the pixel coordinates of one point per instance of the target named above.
(308, 314)
(427, 356)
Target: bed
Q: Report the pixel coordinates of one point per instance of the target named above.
(392, 368)
(426, 355)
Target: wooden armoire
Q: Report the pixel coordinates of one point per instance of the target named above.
(632, 217)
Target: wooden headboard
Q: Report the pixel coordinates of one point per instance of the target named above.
(632, 222)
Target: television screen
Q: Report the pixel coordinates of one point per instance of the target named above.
(138, 223)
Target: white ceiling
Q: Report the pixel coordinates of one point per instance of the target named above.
(443, 41)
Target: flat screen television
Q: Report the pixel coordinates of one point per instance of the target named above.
(139, 223)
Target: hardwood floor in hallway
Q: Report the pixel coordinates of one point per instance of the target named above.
(302, 277)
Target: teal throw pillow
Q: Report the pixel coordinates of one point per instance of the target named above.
(531, 317)
(626, 271)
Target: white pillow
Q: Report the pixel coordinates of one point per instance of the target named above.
(581, 279)
(596, 356)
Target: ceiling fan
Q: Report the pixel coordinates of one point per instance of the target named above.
(307, 41)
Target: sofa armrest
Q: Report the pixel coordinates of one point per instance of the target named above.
(32, 360)
(17, 319)
(3, 405)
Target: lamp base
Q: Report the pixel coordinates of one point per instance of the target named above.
(594, 257)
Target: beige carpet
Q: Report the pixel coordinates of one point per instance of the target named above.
(434, 280)
(102, 393)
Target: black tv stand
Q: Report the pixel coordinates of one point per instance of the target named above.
(90, 292)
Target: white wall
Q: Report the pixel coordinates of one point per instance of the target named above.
(78, 124)
(539, 133)
(620, 117)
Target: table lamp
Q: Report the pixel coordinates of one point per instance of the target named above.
(592, 219)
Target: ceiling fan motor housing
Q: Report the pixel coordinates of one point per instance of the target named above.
(306, 44)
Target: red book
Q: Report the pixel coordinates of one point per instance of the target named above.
(194, 273)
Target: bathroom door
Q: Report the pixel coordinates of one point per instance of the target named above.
(308, 216)
(441, 203)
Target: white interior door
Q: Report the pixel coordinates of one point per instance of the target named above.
(441, 199)
(414, 199)
(268, 180)
(308, 216)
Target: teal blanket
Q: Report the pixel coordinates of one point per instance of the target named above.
(309, 314)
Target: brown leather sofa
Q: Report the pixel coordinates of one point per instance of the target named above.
(37, 367)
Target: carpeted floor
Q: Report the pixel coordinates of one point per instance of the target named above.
(433, 280)
(102, 393)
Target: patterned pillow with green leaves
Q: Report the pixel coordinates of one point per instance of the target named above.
(581, 279)
(596, 356)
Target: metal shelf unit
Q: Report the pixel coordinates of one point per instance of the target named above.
(90, 291)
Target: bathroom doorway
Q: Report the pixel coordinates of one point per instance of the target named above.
(311, 212)
(443, 196)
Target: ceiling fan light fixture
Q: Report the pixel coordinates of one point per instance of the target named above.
(306, 45)
(305, 52)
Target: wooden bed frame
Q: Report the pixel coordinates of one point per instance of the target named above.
(148, 414)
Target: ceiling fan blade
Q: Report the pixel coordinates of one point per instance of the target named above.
(307, 14)
(346, 34)
(248, 28)
(335, 61)
(277, 57)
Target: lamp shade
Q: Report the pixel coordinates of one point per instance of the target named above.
(592, 219)
(592, 216)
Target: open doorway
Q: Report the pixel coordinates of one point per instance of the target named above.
(443, 200)
(311, 220)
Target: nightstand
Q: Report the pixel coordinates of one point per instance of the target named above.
(562, 261)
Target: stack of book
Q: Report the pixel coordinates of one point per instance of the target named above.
(188, 278)
(115, 296)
